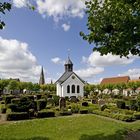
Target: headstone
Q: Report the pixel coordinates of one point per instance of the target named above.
(62, 102)
(73, 99)
(101, 102)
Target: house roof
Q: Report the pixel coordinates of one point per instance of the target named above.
(115, 80)
(65, 76)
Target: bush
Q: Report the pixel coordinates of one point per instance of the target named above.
(133, 104)
(31, 97)
(103, 107)
(17, 116)
(85, 104)
(15, 101)
(137, 115)
(45, 114)
(65, 113)
(13, 107)
(41, 104)
(56, 100)
(31, 113)
(74, 108)
(3, 110)
(83, 111)
(120, 104)
(8, 99)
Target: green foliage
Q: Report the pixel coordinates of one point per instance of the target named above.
(114, 26)
(56, 100)
(103, 107)
(133, 104)
(83, 111)
(4, 6)
(84, 103)
(45, 114)
(3, 110)
(120, 104)
(41, 104)
(137, 115)
(17, 116)
(8, 99)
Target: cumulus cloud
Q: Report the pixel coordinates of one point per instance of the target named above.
(89, 72)
(20, 3)
(133, 73)
(57, 60)
(95, 59)
(61, 8)
(66, 27)
(16, 61)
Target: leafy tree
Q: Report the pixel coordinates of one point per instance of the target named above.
(7, 6)
(13, 85)
(101, 88)
(114, 26)
(3, 84)
(121, 87)
(36, 87)
(4, 6)
(133, 86)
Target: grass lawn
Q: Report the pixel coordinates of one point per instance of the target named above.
(80, 127)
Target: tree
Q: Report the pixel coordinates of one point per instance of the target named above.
(133, 86)
(13, 85)
(114, 26)
(4, 6)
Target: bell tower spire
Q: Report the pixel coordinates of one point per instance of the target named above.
(42, 79)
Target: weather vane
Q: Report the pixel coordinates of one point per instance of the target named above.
(68, 52)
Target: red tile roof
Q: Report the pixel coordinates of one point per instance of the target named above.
(115, 80)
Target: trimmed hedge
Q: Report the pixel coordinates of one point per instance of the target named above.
(3, 110)
(45, 114)
(120, 104)
(41, 104)
(65, 113)
(17, 116)
(15, 101)
(103, 107)
(85, 104)
(8, 99)
(137, 115)
(83, 111)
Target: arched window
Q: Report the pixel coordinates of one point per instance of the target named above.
(68, 89)
(78, 89)
(73, 88)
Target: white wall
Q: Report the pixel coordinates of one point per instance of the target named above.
(70, 81)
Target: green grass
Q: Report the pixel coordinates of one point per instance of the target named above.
(80, 127)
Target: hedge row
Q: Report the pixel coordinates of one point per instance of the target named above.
(122, 117)
(44, 114)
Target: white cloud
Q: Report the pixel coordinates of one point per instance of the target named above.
(89, 72)
(16, 61)
(66, 27)
(133, 73)
(20, 3)
(95, 59)
(61, 8)
(57, 60)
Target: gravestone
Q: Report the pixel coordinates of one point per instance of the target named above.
(101, 102)
(62, 102)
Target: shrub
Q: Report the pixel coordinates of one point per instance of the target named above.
(3, 110)
(126, 118)
(137, 115)
(31, 97)
(38, 96)
(85, 104)
(73, 99)
(83, 111)
(45, 114)
(74, 108)
(15, 101)
(65, 113)
(17, 116)
(120, 104)
(41, 104)
(56, 100)
(103, 107)
(31, 113)
(133, 104)
(13, 107)
(8, 99)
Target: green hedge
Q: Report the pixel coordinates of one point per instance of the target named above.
(83, 111)
(45, 114)
(41, 104)
(65, 113)
(17, 116)
(137, 115)
(8, 99)
(120, 104)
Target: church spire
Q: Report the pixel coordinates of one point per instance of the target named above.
(42, 79)
(68, 65)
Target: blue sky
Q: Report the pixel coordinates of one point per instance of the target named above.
(43, 37)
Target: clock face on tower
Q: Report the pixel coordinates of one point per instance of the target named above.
(73, 77)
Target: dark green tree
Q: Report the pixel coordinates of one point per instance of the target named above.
(114, 26)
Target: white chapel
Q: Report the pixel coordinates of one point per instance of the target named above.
(69, 84)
